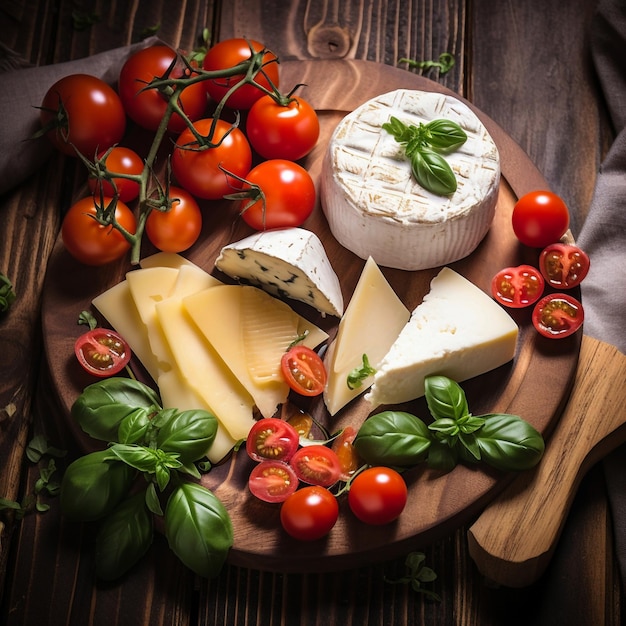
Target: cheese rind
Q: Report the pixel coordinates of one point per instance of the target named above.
(286, 262)
(457, 331)
(374, 205)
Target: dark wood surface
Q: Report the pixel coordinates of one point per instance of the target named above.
(527, 66)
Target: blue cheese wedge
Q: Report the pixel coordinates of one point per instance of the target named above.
(457, 331)
(374, 205)
(288, 263)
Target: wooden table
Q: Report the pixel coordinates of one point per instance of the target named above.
(527, 66)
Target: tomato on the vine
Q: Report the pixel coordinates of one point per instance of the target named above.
(119, 160)
(558, 315)
(272, 439)
(310, 513)
(229, 53)
(289, 195)
(278, 131)
(517, 287)
(198, 169)
(146, 106)
(316, 465)
(564, 266)
(377, 495)
(102, 352)
(272, 481)
(82, 113)
(90, 242)
(304, 370)
(540, 218)
(179, 228)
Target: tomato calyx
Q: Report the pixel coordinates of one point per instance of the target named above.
(102, 352)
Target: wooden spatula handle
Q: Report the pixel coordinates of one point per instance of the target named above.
(514, 538)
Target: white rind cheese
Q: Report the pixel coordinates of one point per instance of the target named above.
(457, 331)
(374, 205)
(287, 262)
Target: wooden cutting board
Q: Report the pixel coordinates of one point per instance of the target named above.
(536, 385)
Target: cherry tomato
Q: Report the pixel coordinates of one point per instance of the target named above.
(272, 439)
(349, 460)
(316, 465)
(540, 218)
(92, 243)
(289, 194)
(86, 114)
(558, 315)
(146, 107)
(310, 513)
(119, 160)
(231, 52)
(102, 352)
(302, 422)
(179, 228)
(304, 370)
(277, 131)
(272, 481)
(564, 266)
(198, 171)
(517, 287)
(377, 495)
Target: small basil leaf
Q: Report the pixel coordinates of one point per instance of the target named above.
(152, 500)
(123, 538)
(470, 447)
(446, 426)
(442, 457)
(393, 438)
(162, 474)
(189, 433)
(470, 423)
(139, 457)
(445, 135)
(133, 427)
(433, 172)
(445, 398)
(198, 529)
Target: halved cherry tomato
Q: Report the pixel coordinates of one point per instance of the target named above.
(119, 160)
(102, 352)
(272, 481)
(310, 513)
(558, 315)
(540, 218)
(272, 439)
(343, 447)
(377, 495)
(564, 266)
(316, 465)
(304, 370)
(517, 287)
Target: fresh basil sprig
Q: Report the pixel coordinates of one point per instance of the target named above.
(424, 146)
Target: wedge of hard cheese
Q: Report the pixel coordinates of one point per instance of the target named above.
(457, 331)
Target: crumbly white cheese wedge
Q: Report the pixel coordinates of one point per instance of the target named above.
(457, 331)
(286, 262)
(374, 205)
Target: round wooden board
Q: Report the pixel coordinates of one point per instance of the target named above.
(535, 385)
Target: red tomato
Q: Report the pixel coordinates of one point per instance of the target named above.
(377, 495)
(272, 481)
(229, 53)
(119, 160)
(198, 170)
(272, 439)
(90, 242)
(564, 266)
(303, 370)
(102, 352)
(85, 114)
(558, 315)
(146, 107)
(310, 513)
(316, 465)
(540, 218)
(517, 287)
(277, 131)
(289, 193)
(179, 228)
(343, 447)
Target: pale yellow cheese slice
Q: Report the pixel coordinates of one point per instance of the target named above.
(165, 259)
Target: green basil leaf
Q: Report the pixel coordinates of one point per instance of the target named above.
(433, 172)
(446, 426)
(470, 423)
(102, 406)
(469, 450)
(393, 438)
(93, 485)
(189, 433)
(507, 442)
(139, 457)
(445, 135)
(445, 398)
(399, 130)
(162, 474)
(152, 500)
(133, 427)
(123, 538)
(198, 529)
(442, 457)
